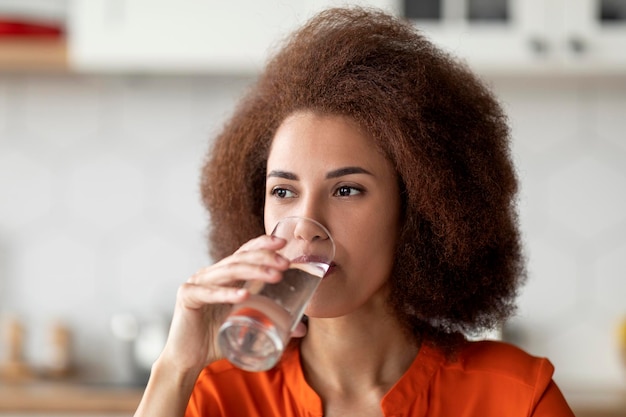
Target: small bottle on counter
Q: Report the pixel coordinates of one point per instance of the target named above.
(59, 361)
(13, 367)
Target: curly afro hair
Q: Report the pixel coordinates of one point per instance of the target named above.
(458, 260)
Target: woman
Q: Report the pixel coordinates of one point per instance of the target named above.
(362, 124)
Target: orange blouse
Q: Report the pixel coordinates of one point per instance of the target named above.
(487, 379)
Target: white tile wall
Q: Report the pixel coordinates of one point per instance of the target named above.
(570, 149)
(100, 213)
(99, 202)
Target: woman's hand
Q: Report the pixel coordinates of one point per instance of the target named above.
(200, 301)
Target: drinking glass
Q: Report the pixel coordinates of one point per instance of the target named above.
(257, 330)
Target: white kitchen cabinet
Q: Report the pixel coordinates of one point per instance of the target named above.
(205, 36)
(528, 36)
(594, 33)
(214, 36)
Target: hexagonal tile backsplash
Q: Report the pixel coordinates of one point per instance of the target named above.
(100, 212)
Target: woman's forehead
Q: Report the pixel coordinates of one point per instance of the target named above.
(307, 142)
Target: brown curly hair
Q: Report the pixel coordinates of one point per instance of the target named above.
(458, 260)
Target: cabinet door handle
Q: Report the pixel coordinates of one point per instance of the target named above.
(538, 45)
(577, 44)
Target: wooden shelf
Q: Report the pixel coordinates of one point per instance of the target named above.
(597, 401)
(33, 54)
(66, 398)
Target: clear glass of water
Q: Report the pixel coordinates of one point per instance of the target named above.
(256, 331)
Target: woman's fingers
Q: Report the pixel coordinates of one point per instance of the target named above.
(262, 242)
(194, 296)
(255, 260)
(201, 300)
(235, 271)
(261, 264)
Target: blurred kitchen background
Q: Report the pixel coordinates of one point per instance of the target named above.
(106, 111)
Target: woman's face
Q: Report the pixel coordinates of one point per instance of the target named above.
(325, 168)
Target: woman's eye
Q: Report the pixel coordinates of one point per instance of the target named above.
(345, 191)
(282, 193)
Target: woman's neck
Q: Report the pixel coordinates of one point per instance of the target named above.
(364, 352)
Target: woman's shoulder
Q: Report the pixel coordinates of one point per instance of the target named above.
(501, 359)
(492, 378)
(492, 366)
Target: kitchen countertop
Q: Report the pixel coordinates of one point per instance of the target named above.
(597, 402)
(68, 397)
(36, 397)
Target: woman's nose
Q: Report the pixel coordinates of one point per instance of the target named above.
(309, 231)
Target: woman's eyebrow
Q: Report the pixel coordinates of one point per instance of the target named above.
(283, 174)
(347, 171)
(336, 173)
